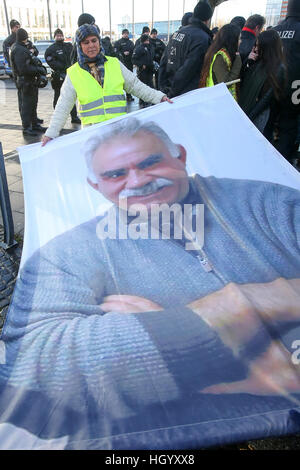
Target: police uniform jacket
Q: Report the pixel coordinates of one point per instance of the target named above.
(23, 63)
(181, 64)
(289, 31)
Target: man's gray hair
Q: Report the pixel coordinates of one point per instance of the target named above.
(126, 128)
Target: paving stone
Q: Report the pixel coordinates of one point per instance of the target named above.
(17, 201)
(17, 186)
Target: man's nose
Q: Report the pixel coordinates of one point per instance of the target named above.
(136, 178)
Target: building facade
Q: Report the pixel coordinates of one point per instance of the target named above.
(276, 11)
(33, 16)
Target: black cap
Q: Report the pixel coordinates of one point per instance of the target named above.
(85, 18)
(125, 31)
(58, 31)
(154, 31)
(22, 35)
(14, 23)
(186, 18)
(203, 11)
(293, 8)
(145, 29)
(239, 21)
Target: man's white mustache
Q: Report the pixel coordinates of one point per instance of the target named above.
(147, 189)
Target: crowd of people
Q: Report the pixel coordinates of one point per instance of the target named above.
(261, 67)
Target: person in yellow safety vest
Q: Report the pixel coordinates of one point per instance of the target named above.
(98, 83)
(222, 62)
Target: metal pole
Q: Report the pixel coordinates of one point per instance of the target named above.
(6, 16)
(168, 20)
(183, 7)
(49, 19)
(133, 35)
(109, 1)
(152, 22)
(5, 206)
(82, 6)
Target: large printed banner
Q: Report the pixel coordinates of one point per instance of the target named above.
(158, 299)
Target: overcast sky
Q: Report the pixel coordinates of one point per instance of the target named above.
(143, 9)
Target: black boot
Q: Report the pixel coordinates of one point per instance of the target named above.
(29, 131)
(39, 128)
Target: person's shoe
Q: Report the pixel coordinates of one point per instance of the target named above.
(40, 121)
(39, 128)
(29, 131)
(76, 121)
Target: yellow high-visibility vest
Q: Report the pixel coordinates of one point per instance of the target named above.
(210, 81)
(97, 103)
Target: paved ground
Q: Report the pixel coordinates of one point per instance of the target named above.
(11, 137)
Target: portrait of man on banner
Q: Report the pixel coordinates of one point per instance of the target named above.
(177, 307)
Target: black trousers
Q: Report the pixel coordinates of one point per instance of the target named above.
(55, 100)
(28, 95)
(287, 133)
(146, 76)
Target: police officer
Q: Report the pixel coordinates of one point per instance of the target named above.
(28, 71)
(123, 50)
(159, 48)
(11, 39)
(289, 115)
(143, 58)
(181, 64)
(58, 57)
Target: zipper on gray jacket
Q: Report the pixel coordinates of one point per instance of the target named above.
(207, 267)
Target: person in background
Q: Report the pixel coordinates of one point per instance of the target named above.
(143, 58)
(124, 48)
(146, 30)
(251, 30)
(238, 21)
(11, 39)
(289, 113)
(107, 46)
(84, 18)
(222, 61)
(186, 19)
(58, 57)
(27, 69)
(98, 83)
(181, 64)
(159, 48)
(263, 81)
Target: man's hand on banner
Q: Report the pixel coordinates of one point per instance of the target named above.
(238, 311)
(271, 374)
(128, 304)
